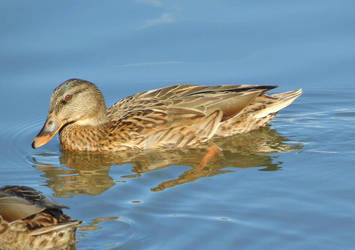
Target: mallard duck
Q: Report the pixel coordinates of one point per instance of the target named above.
(30, 220)
(175, 116)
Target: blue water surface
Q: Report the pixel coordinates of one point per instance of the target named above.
(300, 195)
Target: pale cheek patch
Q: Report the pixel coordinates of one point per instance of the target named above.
(88, 122)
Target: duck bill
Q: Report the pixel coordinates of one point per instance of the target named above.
(50, 128)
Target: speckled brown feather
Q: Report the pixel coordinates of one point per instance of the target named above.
(41, 224)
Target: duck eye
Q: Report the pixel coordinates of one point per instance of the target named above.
(67, 98)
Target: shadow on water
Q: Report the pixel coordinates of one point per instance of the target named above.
(88, 173)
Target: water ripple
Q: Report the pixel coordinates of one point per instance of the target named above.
(17, 140)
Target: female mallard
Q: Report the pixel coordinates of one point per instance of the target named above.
(30, 220)
(176, 116)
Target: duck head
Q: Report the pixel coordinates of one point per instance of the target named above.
(74, 101)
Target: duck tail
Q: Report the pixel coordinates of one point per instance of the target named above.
(280, 101)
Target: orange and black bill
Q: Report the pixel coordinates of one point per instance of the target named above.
(50, 128)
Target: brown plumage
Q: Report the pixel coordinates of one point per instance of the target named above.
(175, 116)
(30, 220)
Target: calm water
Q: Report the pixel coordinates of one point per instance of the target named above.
(290, 186)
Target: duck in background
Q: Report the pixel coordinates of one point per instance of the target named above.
(30, 220)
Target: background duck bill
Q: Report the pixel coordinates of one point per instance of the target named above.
(50, 128)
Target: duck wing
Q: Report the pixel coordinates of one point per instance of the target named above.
(228, 98)
(179, 114)
(19, 202)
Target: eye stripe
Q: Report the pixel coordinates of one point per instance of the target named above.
(80, 90)
(68, 97)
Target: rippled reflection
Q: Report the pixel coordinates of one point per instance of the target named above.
(92, 226)
(88, 173)
(80, 178)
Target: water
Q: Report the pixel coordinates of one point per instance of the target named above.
(289, 187)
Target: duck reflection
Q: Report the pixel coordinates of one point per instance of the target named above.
(88, 173)
(80, 178)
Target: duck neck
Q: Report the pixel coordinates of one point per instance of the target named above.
(97, 120)
(95, 117)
